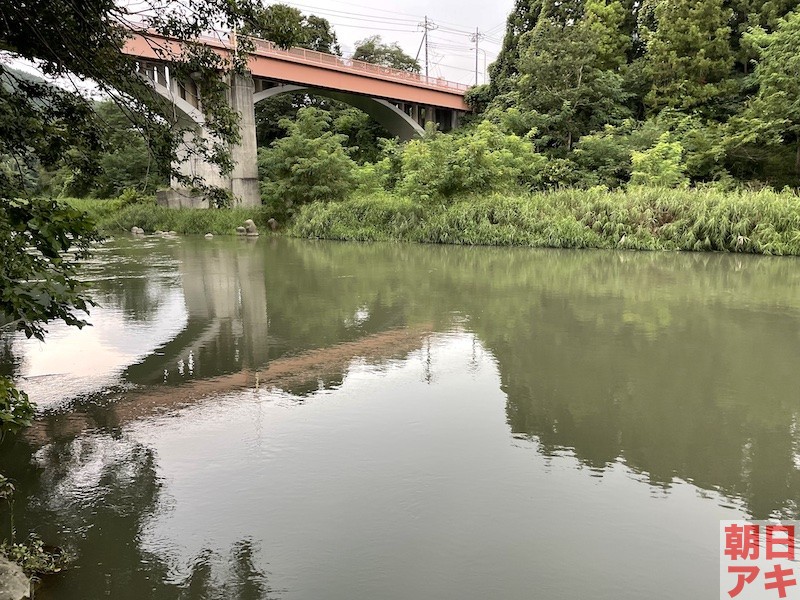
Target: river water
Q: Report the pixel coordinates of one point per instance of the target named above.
(280, 418)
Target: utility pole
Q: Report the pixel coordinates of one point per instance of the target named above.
(475, 37)
(427, 25)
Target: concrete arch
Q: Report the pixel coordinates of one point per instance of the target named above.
(186, 114)
(387, 114)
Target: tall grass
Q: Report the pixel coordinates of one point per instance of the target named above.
(762, 222)
(114, 216)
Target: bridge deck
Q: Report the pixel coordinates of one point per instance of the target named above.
(317, 70)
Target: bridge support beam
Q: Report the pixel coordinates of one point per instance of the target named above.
(242, 181)
(244, 177)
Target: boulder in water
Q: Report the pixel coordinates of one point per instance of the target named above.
(250, 227)
(14, 585)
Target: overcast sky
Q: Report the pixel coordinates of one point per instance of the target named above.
(451, 53)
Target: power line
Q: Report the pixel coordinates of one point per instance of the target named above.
(354, 16)
(406, 18)
(348, 26)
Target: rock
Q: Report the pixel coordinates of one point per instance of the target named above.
(137, 230)
(159, 232)
(250, 227)
(273, 224)
(241, 231)
(172, 233)
(13, 583)
(208, 236)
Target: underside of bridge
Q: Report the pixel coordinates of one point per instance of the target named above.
(394, 120)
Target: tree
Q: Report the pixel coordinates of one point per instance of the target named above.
(44, 125)
(279, 23)
(373, 50)
(309, 164)
(286, 26)
(570, 79)
(522, 19)
(689, 55)
(125, 161)
(773, 115)
(318, 35)
(37, 279)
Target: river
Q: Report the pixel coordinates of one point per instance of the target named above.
(277, 418)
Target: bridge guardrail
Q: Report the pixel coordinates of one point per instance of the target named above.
(266, 48)
(349, 64)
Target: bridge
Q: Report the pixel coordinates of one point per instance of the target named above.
(401, 101)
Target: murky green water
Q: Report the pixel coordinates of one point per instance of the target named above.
(289, 419)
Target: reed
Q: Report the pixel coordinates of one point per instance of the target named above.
(113, 216)
(763, 222)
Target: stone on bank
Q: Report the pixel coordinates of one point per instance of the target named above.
(14, 585)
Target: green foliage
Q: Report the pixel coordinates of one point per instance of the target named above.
(481, 160)
(16, 413)
(42, 240)
(126, 160)
(319, 35)
(689, 54)
(308, 164)
(6, 489)
(373, 50)
(478, 97)
(278, 23)
(604, 158)
(364, 134)
(286, 26)
(719, 75)
(660, 166)
(35, 558)
(569, 81)
(638, 219)
(122, 214)
(773, 115)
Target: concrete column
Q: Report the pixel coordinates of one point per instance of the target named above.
(453, 120)
(242, 181)
(430, 114)
(244, 177)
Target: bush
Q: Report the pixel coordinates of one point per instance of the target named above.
(308, 165)
(660, 166)
(483, 159)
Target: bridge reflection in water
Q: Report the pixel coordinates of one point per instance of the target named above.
(670, 368)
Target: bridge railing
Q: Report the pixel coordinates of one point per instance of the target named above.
(348, 64)
(266, 48)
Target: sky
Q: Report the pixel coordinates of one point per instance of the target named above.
(451, 53)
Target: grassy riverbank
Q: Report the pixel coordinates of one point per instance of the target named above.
(643, 219)
(118, 215)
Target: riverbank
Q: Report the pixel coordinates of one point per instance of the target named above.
(117, 215)
(762, 222)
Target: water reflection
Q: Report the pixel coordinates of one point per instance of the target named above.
(659, 369)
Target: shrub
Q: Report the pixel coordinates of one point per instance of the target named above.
(483, 159)
(660, 166)
(309, 164)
